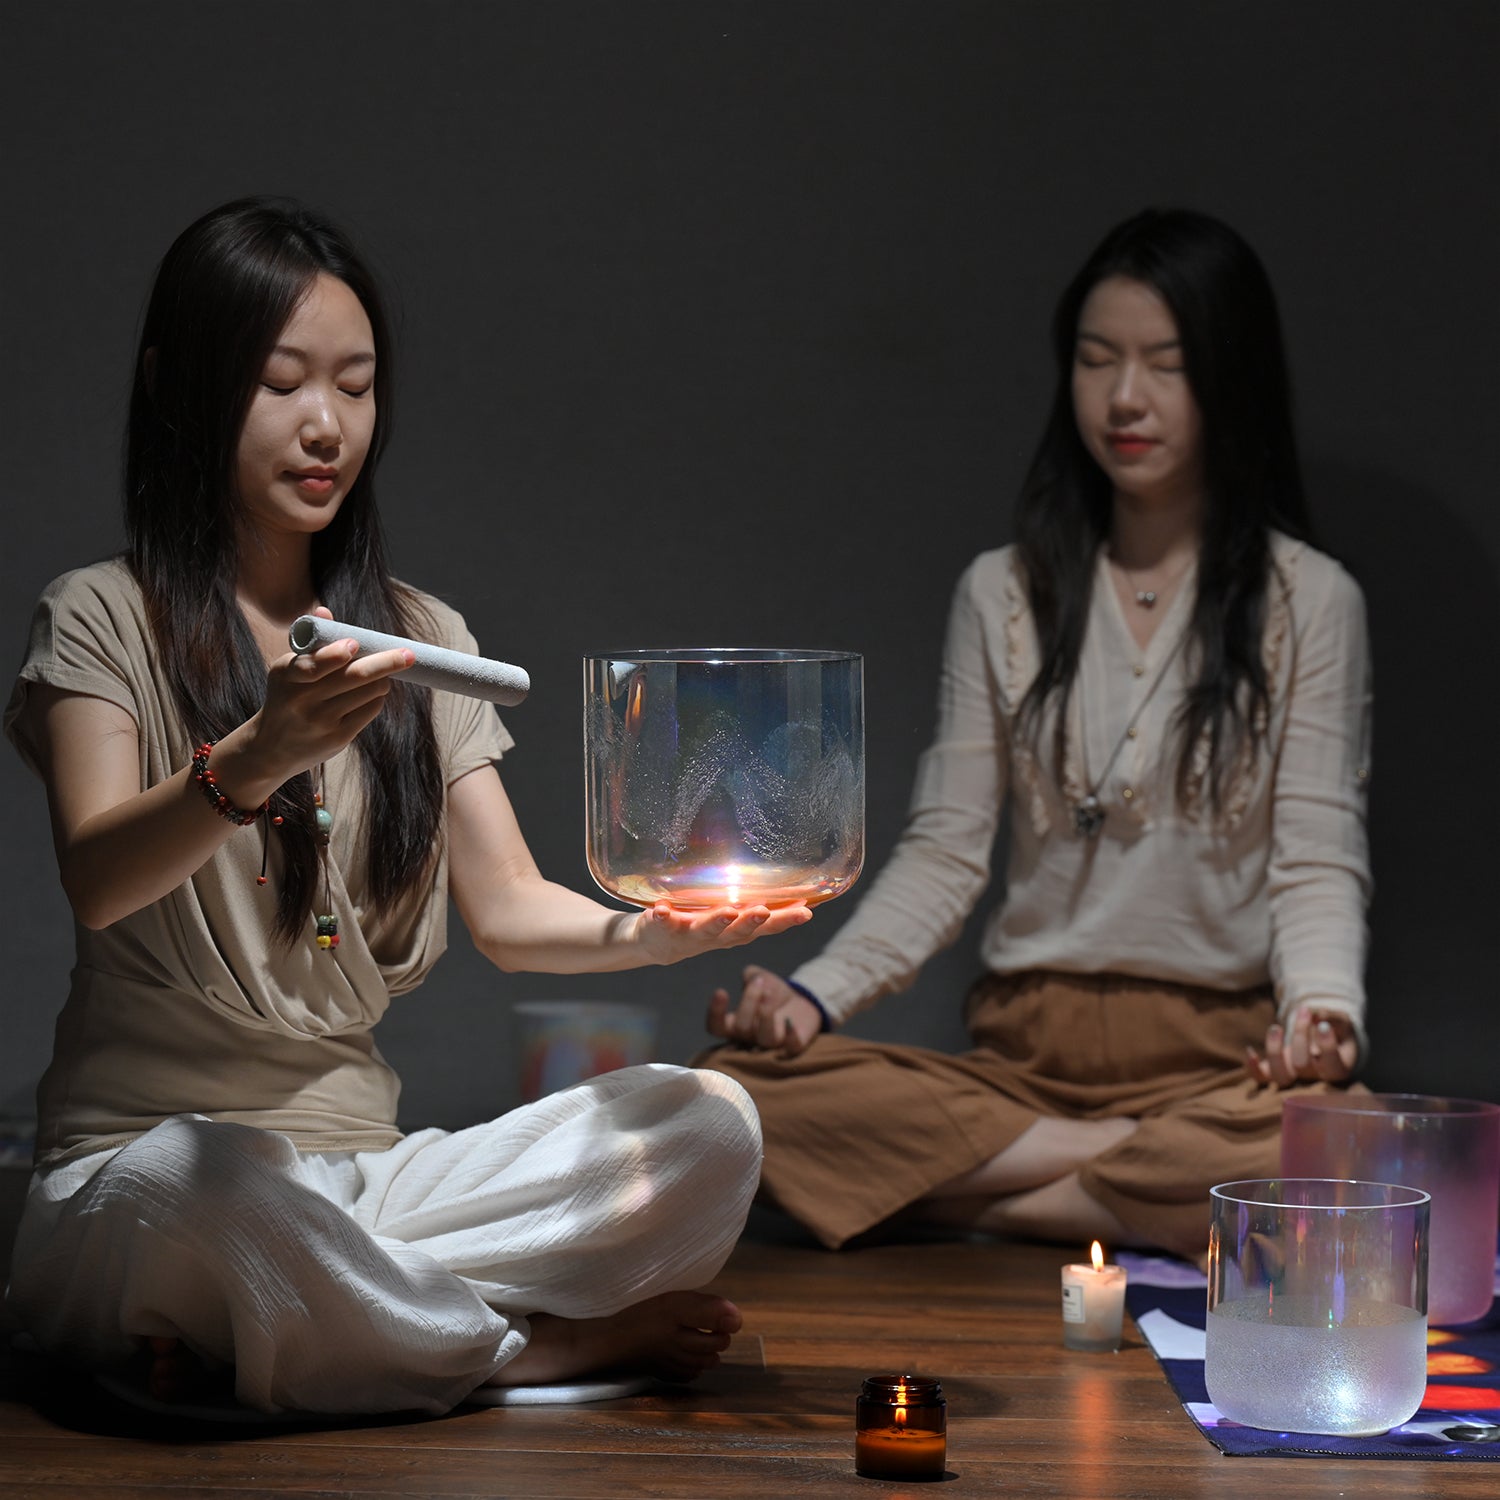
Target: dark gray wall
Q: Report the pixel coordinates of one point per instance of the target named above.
(726, 321)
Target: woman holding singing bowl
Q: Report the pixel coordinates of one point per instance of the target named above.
(259, 848)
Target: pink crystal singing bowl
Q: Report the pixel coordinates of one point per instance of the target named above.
(717, 776)
(1449, 1148)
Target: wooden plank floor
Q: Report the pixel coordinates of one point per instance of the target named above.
(1026, 1416)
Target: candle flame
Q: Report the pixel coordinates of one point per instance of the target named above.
(900, 1416)
(1096, 1254)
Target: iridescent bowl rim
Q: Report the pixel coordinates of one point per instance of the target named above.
(733, 656)
(1439, 1106)
(1411, 1197)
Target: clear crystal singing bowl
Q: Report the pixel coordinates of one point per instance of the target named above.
(720, 776)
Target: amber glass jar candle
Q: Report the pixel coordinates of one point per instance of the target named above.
(901, 1428)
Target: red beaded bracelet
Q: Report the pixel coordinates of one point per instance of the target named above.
(221, 804)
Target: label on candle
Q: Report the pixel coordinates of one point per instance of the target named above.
(1072, 1294)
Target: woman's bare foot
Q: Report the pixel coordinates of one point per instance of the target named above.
(675, 1336)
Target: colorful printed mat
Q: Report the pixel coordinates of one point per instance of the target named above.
(1459, 1416)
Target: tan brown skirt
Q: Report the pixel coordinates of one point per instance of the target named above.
(856, 1130)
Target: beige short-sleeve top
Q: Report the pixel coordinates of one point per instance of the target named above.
(188, 1005)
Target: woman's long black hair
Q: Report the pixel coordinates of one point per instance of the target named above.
(1225, 311)
(223, 293)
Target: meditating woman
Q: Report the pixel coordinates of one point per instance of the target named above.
(259, 849)
(1168, 689)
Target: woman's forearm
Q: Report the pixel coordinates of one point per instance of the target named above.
(120, 848)
(127, 855)
(521, 921)
(544, 928)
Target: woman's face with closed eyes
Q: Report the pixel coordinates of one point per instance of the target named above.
(312, 416)
(1135, 408)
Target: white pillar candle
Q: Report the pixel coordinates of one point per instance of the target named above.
(1093, 1304)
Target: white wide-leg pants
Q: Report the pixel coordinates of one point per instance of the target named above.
(388, 1280)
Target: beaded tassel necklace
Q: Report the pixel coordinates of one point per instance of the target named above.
(328, 924)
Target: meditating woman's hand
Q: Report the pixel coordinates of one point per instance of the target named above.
(316, 704)
(1317, 1045)
(771, 1015)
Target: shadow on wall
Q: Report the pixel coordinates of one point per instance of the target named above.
(1433, 596)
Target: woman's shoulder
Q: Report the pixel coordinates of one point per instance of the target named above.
(991, 609)
(1312, 579)
(102, 599)
(994, 576)
(106, 583)
(89, 635)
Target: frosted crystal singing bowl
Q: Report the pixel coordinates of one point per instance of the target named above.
(720, 776)
(1317, 1304)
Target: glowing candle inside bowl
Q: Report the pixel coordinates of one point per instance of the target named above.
(1093, 1304)
(724, 776)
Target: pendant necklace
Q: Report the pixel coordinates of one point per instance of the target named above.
(1147, 598)
(1088, 815)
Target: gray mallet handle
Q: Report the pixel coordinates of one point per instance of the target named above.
(435, 667)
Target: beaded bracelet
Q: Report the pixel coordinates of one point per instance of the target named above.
(221, 804)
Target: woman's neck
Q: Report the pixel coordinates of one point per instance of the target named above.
(1150, 537)
(273, 585)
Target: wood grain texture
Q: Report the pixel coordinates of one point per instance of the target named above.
(1026, 1416)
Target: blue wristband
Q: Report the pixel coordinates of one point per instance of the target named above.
(812, 999)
